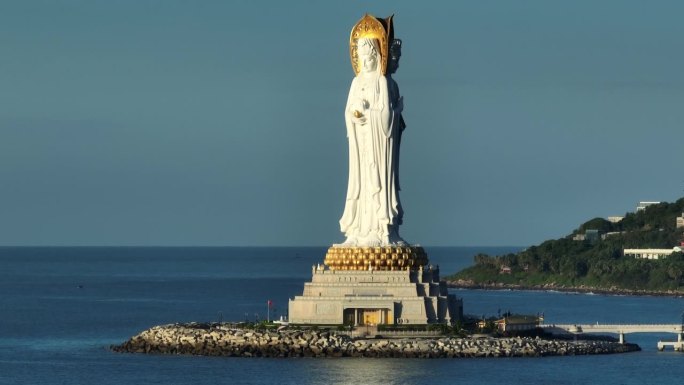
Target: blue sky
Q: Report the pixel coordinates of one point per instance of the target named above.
(221, 123)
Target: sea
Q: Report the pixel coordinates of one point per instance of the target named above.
(62, 307)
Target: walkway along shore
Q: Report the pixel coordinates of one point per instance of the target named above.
(202, 339)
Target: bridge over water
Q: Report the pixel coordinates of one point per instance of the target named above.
(622, 329)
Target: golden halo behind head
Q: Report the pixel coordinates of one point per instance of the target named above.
(370, 27)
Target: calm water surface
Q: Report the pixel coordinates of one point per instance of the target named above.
(60, 308)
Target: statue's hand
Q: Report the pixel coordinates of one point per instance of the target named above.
(357, 117)
(357, 111)
(360, 120)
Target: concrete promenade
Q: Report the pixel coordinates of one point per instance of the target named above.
(622, 329)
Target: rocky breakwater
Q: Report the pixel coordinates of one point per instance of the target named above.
(202, 340)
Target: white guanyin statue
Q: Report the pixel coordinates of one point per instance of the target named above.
(372, 212)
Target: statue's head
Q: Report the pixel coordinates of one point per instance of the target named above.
(368, 50)
(394, 56)
(374, 35)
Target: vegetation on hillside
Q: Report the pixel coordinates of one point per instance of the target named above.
(597, 263)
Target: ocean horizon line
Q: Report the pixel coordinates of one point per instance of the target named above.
(236, 246)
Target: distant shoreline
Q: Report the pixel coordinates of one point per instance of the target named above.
(461, 284)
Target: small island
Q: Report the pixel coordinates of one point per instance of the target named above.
(638, 254)
(230, 340)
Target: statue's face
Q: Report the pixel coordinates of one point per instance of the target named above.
(368, 58)
(369, 61)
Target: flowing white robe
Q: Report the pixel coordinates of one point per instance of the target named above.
(372, 211)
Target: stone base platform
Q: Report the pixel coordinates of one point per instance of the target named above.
(384, 292)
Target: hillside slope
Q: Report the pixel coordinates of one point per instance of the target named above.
(596, 264)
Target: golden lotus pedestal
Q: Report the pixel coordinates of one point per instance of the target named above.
(386, 258)
(375, 285)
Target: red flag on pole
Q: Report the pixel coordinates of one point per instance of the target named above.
(270, 303)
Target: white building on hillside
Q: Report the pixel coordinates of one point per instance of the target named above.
(643, 205)
(650, 253)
